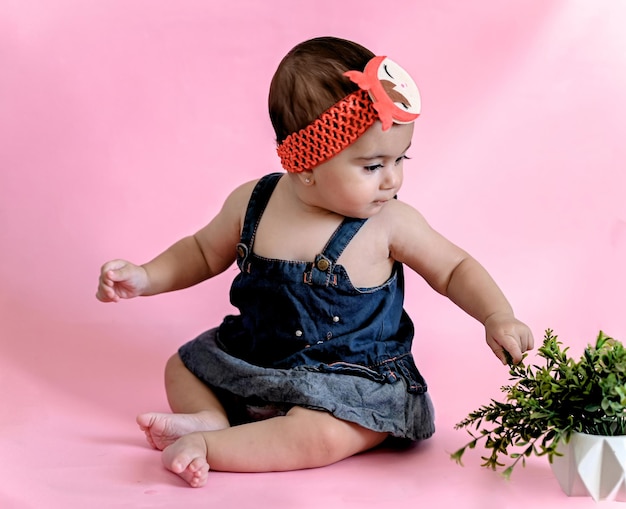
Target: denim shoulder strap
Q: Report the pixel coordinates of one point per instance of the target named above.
(258, 201)
(321, 271)
(341, 238)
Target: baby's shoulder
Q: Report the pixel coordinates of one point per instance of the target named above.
(245, 190)
(395, 210)
(241, 194)
(235, 205)
(400, 221)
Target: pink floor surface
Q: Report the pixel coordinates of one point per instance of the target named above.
(125, 123)
(68, 440)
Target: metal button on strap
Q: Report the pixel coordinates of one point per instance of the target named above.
(299, 333)
(241, 251)
(323, 264)
(335, 319)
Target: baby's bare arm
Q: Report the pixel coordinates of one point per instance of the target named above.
(205, 254)
(454, 273)
(187, 262)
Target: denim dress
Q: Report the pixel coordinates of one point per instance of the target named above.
(306, 336)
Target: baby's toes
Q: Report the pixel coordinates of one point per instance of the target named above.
(197, 473)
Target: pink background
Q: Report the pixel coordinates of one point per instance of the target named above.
(124, 123)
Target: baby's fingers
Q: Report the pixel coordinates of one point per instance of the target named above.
(111, 273)
(527, 342)
(506, 348)
(117, 271)
(106, 291)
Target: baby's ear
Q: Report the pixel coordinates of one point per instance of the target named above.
(306, 177)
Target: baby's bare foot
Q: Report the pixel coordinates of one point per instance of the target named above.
(187, 458)
(164, 429)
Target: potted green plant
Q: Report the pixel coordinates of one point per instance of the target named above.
(572, 411)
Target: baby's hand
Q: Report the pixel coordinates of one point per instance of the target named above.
(120, 279)
(507, 334)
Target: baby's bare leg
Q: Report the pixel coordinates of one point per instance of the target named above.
(188, 459)
(195, 408)
(301, 439)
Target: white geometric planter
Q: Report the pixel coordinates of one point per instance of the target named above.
(592, 465)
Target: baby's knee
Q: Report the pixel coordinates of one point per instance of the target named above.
(344, 439)
(174, 366)
(331, 439)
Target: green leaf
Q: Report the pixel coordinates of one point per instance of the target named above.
(546, 402)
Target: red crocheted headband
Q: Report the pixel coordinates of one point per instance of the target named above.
(387, 93)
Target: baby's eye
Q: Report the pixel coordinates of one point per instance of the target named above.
(373, 167)
(401, 158)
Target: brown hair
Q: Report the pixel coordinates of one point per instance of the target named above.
(310, 79)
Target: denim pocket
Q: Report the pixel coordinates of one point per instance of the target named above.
(415, 381)
(405, 367)
(388, 371)
(347, 368)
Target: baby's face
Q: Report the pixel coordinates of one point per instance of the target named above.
(362, 178)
